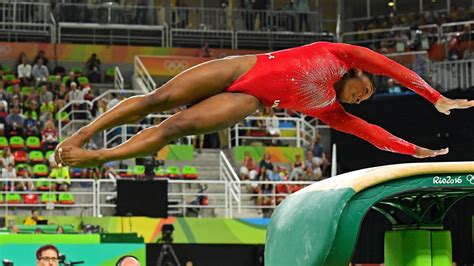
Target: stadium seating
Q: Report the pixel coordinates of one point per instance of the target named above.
(17, 142)
(36, 157)
(3, 142)
(9, 77)
(1, 198)
(43, 184)
(20, 156)
(159, 172)
(6, 69)
(173, 172)
(10, 89)
(48, 154)
(30, 199)
(65, 79)
(13, 198)
(21, 168)
(33, 142)
(40, 170)
(76, 70)
(52, 78)
(83, 81)
(48, 198)
(63, 117)
(139, 171)
(128, 174)
(26, 90)
(189, 172)
(66, 198)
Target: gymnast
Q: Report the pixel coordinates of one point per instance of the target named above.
(313, 79)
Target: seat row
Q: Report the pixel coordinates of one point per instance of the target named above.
(16, 198)
(174, 172)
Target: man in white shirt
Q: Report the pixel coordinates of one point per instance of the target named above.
(40, 72)
(24, 71)
(75, 94)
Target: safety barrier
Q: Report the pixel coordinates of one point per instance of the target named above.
(144, 80)
(453, 74)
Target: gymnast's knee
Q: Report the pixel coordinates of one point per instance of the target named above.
(156, 98)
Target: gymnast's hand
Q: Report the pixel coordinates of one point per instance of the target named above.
(444, 105)
(425, 153)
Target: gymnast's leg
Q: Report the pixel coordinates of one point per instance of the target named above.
(190, 86)
(215, 113)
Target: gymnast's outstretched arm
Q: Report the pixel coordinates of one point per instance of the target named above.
(337, 118)
(367, 60)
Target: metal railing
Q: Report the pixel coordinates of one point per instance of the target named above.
(142, 77)
(453, 74)
(227, 174)
(292, 133)
(119, 82)
(274, 40)
(375, 36)
(78, 115)
(112, 34)
(83, 191)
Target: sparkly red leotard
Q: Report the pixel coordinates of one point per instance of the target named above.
(303, 79)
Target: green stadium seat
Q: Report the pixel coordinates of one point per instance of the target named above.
(7, 69)
(40, 170)
(30, 199)
(20, 168)
(66, 198)
(17, 142)
(83, 81)
(110, 72)
(13, 198)
(159, 172)
(63, 117)
(2, 200)
(36, 157)
(1, 152)
(33, 143)
(26, 90)
(3, 142)
(49, 154)
(43, 184)
(48, 198)
(65, 79)
(52, 78)
(128, 174)
(9, 89)
(76, 70)
(9, 77)
(139, 170)
(189, 172)
(173, 172)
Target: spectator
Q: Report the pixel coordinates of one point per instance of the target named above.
(313, 171)
(266, 198)
(56, 84)
(9, 172)
(61, 174)
(75, 94)
(88, 96)
(49, 136)
(113, 102)
(128, 261)
(109, 172)
(392, 87)
(47, 255)
(3, 111)
(38, 231)
(205, 50)
(248, 170)
(7, 158)
(40, 72)
(31, 125)
(279, 174)
(24, 71)
(266, 167)
(59, 230)
(272, 125)
(35, 217)
(72, 78)
(15, 229)
(42, 55)
(93, 69)
(4, 95)
(297, 168)
(45, 94)
(20, 58)
(17, 92)
(15, 120)
(25, 185)
(302, 7)
(47, 107)
(61, 97)
(33, 109)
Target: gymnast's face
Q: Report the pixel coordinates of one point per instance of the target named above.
(356, 89)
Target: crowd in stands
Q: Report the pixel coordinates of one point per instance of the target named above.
(32, 97)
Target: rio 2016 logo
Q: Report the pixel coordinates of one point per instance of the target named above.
(448, 180)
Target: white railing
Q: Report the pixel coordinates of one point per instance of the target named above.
(379, 35)
(239, 133)
(451, 28)
(227, 174)
(119, 82)
(453, 74)
(334, 160)
(274, 40)
(76, 108)
(112, 34)
(82, 199)
(141, 74)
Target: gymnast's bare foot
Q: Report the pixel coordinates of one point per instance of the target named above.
(77, 157)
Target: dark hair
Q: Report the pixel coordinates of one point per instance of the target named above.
(351, 73)
(40, 251)
(123, 258)
(34, 210)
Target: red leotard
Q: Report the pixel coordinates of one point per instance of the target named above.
(303, 79)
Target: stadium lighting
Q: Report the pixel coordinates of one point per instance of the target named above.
(391, 3)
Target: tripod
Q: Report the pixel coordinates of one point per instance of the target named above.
(167, 256)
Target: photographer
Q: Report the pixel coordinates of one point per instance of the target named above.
(47, 255)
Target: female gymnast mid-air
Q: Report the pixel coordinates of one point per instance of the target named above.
(313, 79)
